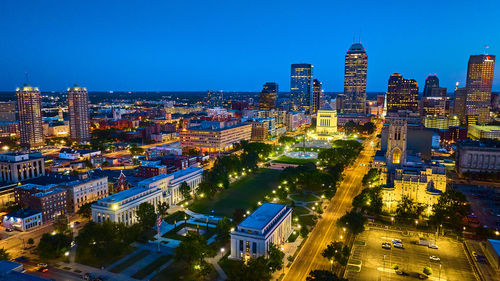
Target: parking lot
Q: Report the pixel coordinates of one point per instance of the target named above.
(376, 262)
(485, 203)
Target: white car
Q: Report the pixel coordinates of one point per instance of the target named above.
(386, 245)
(398, 245)
(434, 258)
(396, 241)
(433, 246)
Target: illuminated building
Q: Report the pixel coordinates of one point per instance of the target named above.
(326, 120)
(459, 105)
(301, 94)
(50, 200)
(215, 99)
(484, 132)
(339, 102)
(267, 99)
(431, 82)
(16, 167)
(214, 136)
(479, 82)
(270, 223)
(441, 122)
(8, 111)
(23, 219)
(402, 94)
(317, 95)
(404, 175)
(78, 109)
(356, 64)
(435, 106)
(477, 157)
(29, 104)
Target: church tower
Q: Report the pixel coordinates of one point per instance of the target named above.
(396, 143)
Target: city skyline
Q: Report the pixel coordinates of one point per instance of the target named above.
(155, 49)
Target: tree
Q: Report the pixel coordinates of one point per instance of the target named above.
(185, 190)
(193, 249)
(162, 209)
(323, 275)
(61, 225)
(370, 200)
(427, 270)
(338, 252)
(371, 177)
(146, 215)
(275, 257)
(350, 127)
(86, 210)
(223, 229)
(238, 215)
(136, 150)
(53, 246)
(451, 207)
(284, 140)
(4, 255)
(407, 210)
(353, 221)
(31, 241)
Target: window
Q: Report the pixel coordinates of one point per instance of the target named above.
(241, 245)
(254, 247)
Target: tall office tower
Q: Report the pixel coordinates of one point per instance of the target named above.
(479, 81)
(402, 94)
(29, 104)
(301, 95)
(78, 108)
(8, 111)
(356, 64)
(267, 99)
(215, 99)
(317, 95)
(339, 102)
(431, 82)
(459, 105)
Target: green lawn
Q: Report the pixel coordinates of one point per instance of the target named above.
(179, 270)
(289, 160)
(172, 234)
(307, 221)
(244, 194)
(297, 211)
(305, 197)
(148, 269)
(177, 217)
(130, 261)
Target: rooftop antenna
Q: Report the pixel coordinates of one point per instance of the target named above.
(486, 47)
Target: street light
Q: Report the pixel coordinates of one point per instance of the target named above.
(331, 265)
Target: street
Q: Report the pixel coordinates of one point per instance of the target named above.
(309, 256)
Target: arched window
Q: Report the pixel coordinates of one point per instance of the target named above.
(396, 156)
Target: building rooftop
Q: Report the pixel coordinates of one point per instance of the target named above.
(262, 216)
(23, 213)
(356, 48)
(327, 106)
(123, 195)
(486, 128)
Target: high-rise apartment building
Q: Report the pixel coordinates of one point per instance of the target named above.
(431, 82)
(356, 64)
(215, 99)
(301, 95)
(78, 108)
(8, 111)
(29, 103)
(317, 95)
(479, 81)
(267, 99)
(402, 94)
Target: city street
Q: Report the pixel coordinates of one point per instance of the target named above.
(377, 262)
(309, 256)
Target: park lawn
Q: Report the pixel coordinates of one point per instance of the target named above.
(148, 269)
(307, 221)
(289, 160)
(304, 197)
(130, 261)
(299, 210)
(177, 217)
(98, 263)
(243, 194)
(179, 270)
(172, 234)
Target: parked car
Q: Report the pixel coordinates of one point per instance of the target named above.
(433, 246)
(43, 269)
(402, 273)
(42, 264)
(434, 258)
(386, 245)
(421, 276)
(398, 245)
(397, 241)
(474, 254)
(9, 229)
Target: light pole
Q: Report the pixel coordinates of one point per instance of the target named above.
(439, 272)
(331, 266)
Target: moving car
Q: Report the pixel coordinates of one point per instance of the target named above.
(43, 269)
(42, 264)
(434, 258)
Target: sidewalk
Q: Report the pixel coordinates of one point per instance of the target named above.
(215, 262)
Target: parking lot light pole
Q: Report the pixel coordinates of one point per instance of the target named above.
(439, 272)
(331, 266)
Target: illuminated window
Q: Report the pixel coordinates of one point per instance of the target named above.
(396, 156)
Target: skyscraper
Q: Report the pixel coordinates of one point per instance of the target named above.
(459, 105)
(317, 95)
(29, 104)
(431, 82)
(215, 99)
(78, 108)
(301, 86)
(267, 99)
(402, 94)
(479, 81)
(356, 64)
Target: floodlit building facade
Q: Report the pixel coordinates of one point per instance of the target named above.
(16, 167)
(214, 137)
(484, 132)
(356, 65)
(87, 190)
(326, 120)
(29, 105)
(270, 223)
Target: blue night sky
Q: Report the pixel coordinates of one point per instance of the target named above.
(237, 45)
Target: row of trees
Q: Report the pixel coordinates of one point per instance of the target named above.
(343, 153)
(355, 128)
(257, 269)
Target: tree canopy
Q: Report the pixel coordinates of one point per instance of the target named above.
(451, 207)
(193, 249)
(323, 275)
(408, 211)
(146, 215)
(352, 221)
(337, 251)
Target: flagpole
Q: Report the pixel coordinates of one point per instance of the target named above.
(158, 226)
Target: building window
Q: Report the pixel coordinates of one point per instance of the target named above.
(241, 245)
(254, 247)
